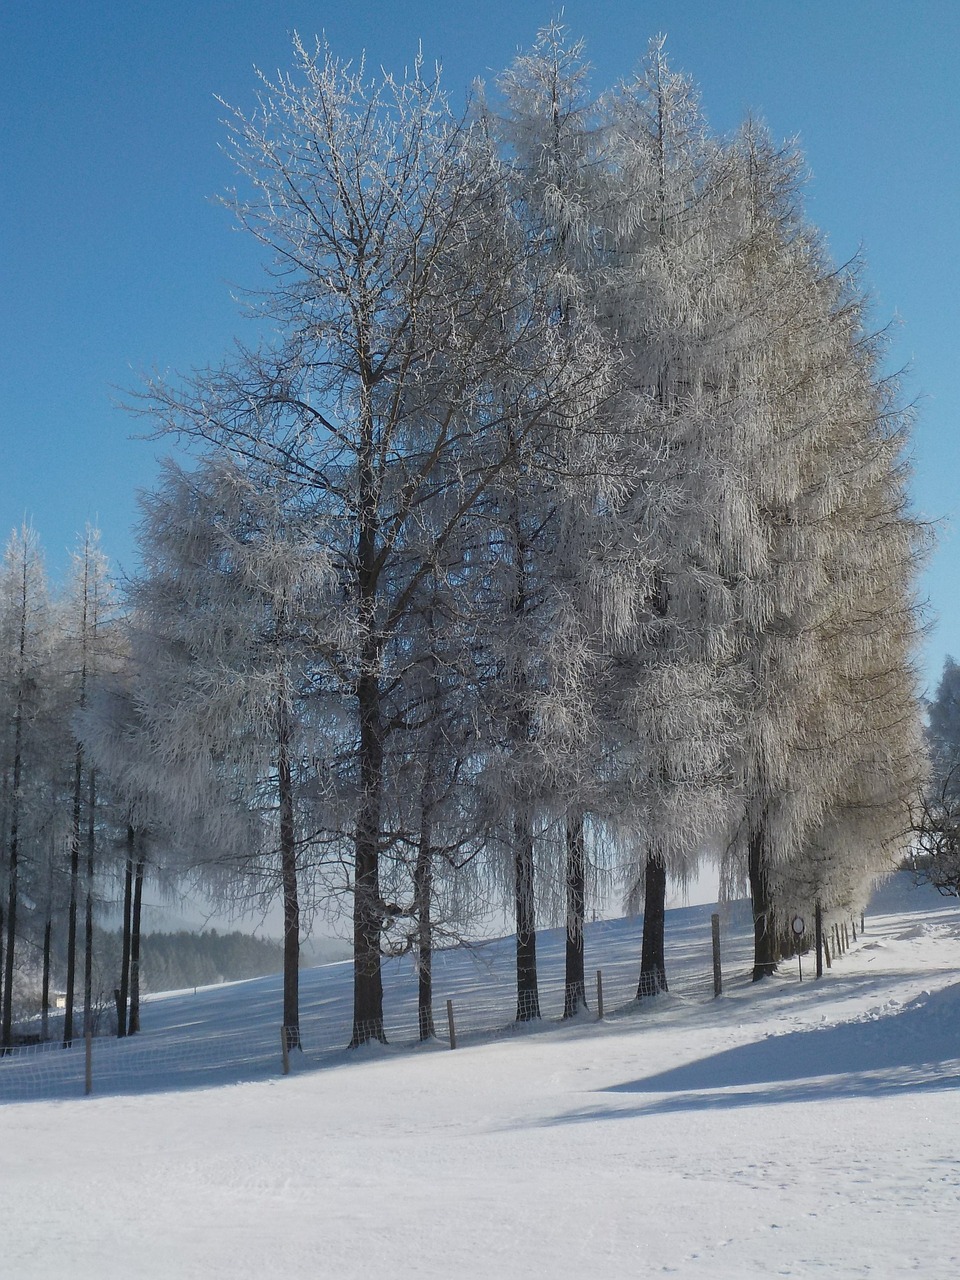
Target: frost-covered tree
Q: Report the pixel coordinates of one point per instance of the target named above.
(562, 513)
(543, 126)
(115, 738)
(84, 655)
(665, 300)
(411, 334)
(935, 811)
(554, 512)
(431, 810)
(24, 685)
(824, 552)
(231, 611)
(943, 718)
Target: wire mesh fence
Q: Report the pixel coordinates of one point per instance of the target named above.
(232, 1033)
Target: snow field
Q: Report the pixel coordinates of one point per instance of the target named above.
(786, 1129)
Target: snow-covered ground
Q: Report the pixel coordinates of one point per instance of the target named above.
(785, 1129)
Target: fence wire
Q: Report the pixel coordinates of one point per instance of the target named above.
(222, 1035)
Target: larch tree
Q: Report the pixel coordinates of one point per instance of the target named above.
(436, 831)
(824, 545)
(24, 683)
(231, 612)
(84, 653)
(406, 305)
(550, 130)
(943, 724)
(671, 675)
(865, 712)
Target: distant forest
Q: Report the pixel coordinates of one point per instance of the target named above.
(170, 961)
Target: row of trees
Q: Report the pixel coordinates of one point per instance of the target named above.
(53, 653)
(557, 531)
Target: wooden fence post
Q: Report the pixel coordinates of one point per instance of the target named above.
(451, 1026)
(599, 994)
(717, 975)
(88, 1059)
(826, 951)
(853, 929)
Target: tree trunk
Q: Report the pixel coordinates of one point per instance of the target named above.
(125, 946)
(574, 990)
(528, 993)
(291, 900)
(367, 904)
(6, 1022)
(133, 1023)
(423, 893)
(653, 971)
(423, 870)
(764, 933)
(45, 981)
(6, 1019)
(88, 910)
(74, 897)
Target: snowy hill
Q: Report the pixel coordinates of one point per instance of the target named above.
(784, 1129)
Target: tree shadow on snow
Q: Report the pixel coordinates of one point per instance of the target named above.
(912, 1049)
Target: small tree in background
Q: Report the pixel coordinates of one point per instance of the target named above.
(24, 687)
(935, 811)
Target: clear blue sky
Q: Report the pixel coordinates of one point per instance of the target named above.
(114, 259)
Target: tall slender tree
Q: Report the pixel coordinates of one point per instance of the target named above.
(823, 539)
(24, 675)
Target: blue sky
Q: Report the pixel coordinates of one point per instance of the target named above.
(115, 259)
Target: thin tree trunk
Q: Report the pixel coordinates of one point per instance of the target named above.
(528, 992)
(423, 870)
(74, 897)
(6, 1029)
(653, 971)
(423, 891)
(574, 991)
(288, 872)
(88, 911)
(13, 866)
(764, 933)
(45, 981)
(125, 946)
(133, 1023)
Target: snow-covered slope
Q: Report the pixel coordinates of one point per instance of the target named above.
(786, 1129)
